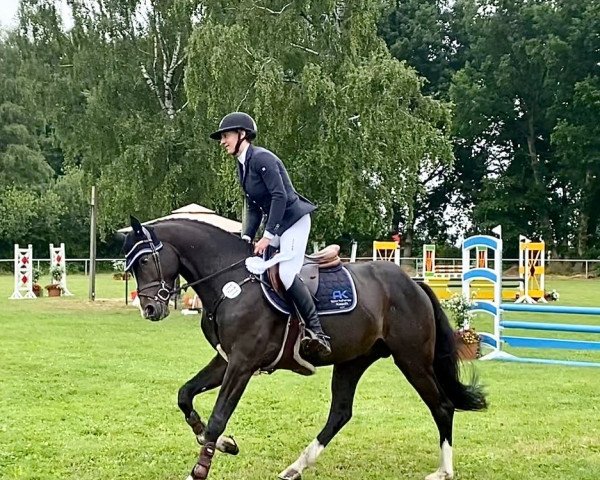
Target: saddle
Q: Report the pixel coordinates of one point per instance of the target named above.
(328, 257)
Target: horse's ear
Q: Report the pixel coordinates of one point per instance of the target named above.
(136, 225)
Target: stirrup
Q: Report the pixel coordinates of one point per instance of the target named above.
(316, 343)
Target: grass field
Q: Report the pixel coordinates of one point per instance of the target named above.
(88, 391)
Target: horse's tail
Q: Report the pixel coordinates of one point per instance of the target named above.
(446, 364)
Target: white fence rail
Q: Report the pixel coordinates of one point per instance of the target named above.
(413, 265)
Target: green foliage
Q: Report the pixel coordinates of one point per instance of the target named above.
(523, 61)
(313, 91)
(353, 96)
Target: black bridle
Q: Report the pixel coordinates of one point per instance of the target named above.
(163, 294)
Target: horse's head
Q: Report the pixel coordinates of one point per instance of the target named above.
(155, 266)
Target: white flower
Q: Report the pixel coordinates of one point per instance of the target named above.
(118, 265)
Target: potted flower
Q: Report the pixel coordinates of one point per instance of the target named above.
(36, 287)
(54, 289)
(467, 339)
(552, 296)
(119, 268)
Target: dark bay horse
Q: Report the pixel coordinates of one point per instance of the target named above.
(395, 316)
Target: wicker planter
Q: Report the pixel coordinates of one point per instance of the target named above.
(54, 290)
(466, 351)
(122, 276)
(37, 290)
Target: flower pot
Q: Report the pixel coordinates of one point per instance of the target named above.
(54, 290)
(122, 276)
(466, 351)
(37, 290)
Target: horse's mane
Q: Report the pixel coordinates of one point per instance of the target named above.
(204, 226)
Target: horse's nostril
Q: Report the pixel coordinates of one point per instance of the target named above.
(150, 311)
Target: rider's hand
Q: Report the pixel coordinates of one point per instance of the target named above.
(261, 245)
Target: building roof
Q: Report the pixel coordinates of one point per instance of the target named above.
(193, 211)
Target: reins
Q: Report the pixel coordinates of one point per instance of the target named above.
(208, 277)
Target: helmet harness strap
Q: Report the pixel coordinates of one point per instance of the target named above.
(239, 142)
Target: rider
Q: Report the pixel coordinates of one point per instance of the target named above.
(269, 191)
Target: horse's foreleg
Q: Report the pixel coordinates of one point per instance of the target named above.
(206, 379)
(343, 386)
(236, 379)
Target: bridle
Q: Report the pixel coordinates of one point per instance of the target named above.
(163, 294)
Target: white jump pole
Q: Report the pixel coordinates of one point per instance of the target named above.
(23, 273)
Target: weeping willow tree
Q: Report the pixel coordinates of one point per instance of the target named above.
(348, 120)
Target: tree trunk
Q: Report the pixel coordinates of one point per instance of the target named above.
(539, 186)
(407, 238)
(584, 217)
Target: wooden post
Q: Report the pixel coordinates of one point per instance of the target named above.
(92, 280)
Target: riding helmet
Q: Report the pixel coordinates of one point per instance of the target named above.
(236, 121)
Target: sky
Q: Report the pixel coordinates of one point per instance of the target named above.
(8, 12)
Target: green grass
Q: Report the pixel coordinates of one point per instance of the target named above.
(89, 391)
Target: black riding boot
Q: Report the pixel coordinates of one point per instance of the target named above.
(302, 299)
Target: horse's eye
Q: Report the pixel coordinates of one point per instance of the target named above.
(144, 261)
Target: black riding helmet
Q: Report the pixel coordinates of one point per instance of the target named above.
(236, 121)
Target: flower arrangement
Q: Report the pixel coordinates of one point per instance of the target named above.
(119, 268)
(36, 273)
(56, 273)
(118, 265)
(552, 296)
(460, 309)
(54, 289)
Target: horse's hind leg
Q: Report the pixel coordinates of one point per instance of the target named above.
(421, 377)
(343, 386)
(206, 379)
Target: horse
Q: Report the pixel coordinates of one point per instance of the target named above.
(394, 316)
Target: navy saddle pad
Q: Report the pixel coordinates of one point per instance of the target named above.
(336, 292)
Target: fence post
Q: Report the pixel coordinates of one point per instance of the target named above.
(586, 270)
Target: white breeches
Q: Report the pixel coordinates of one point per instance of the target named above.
(293, 242)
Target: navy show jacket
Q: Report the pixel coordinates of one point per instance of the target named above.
(269, 191)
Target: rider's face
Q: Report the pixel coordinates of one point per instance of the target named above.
(230, 139)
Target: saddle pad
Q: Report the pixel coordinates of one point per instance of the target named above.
(336, 292)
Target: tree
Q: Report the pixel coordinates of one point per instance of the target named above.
(21, 160)
(508, 99)
(349, 121)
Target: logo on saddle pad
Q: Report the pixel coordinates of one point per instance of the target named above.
(341, 298)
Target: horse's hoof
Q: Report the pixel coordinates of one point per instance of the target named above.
(290, 474)
(228, 445)
(440, 475)
(224, 444)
